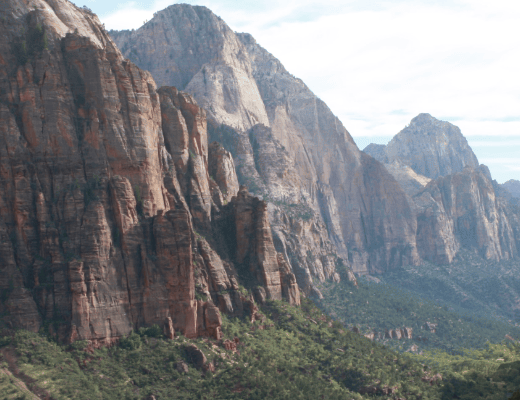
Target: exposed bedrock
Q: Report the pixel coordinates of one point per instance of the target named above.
(111, 198)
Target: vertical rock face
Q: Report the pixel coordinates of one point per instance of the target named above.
(104, 188)
(432, 148)
(200, 54)
(291, 149)
(222, 170)
(463, 210)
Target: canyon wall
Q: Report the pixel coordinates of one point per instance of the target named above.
(332, 208)
(115, 211)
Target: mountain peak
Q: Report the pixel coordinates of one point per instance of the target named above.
(429, 146)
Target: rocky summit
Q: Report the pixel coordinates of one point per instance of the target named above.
(430, 147)
(513, 187)
(124, 205)
(115, 211)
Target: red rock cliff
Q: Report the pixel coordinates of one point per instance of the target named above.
(109, 219)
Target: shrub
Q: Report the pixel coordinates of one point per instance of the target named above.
(131, 342)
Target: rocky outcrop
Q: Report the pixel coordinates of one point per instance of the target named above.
(222, 172)
(432, 148)
(410, 181)
(109, 219)
(194, 50)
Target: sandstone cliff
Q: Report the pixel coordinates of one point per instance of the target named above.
(326, 198)
(115, 212)
(463, 210)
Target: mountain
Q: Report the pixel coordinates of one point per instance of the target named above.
(115, 211)
(430, 147)
(326, 198)
(513, 187)
(456, 202)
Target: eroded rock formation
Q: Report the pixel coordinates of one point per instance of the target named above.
(109, 218)
(463, 210)
(331, 207)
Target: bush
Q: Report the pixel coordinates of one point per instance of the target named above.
(131, 342)
(154, 331)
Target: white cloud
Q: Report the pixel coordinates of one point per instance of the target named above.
(378, 65)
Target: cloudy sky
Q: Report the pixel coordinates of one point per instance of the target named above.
(377, 64)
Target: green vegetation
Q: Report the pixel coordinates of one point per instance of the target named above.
(298, 211)
(470, 284)
(492, 373)
(376, 307)
(294, 353)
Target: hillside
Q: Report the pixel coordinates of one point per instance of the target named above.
(288, 353)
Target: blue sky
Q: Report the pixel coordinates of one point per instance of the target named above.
(378, 64)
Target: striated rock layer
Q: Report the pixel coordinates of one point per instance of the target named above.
(331, 206)
(462, 210)
(109, 219)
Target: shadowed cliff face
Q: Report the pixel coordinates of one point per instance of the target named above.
(290, 149)
(109, 219)
(462, 210)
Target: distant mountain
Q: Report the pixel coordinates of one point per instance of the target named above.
(456, 202)
(513, 187)
(430, 147)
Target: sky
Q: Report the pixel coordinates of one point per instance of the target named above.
(377, 64)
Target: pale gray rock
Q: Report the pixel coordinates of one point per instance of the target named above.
(430, 147)
(192, 49)
(463, 210)
(410, 181)
(326, 197)
(378, 151)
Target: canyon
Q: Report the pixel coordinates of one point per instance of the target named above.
(210, 184)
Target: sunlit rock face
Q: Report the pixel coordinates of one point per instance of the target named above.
(462, 210)
(109, 217)
(326, 198)
(432, 148)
